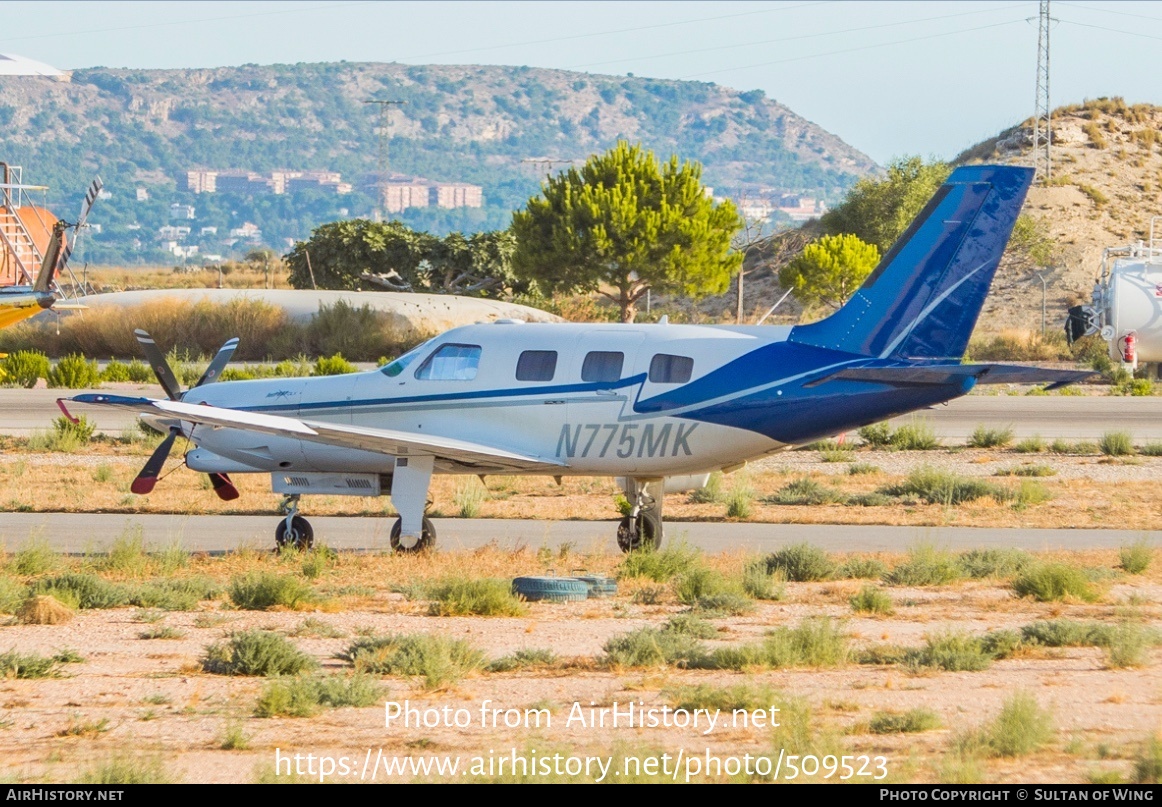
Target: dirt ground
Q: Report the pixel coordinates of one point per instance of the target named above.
(146, 705)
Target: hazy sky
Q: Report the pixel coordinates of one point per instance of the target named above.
(890, 78)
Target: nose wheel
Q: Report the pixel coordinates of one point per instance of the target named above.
(411, 544)
(642, 528)
(643, 532)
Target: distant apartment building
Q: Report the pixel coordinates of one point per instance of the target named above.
(255, 183)
(171, 232)
(402, 192)
(143, 194)
(181, 212)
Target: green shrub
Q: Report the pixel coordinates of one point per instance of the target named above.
(115, 372)
(1027, 470)
(437, 660)
(690, 625)
(725, 603)
(24, 368)
(1047, 582)
(1067, 633)
(122, 770)
(659, 565)
(1151, 449)
(12, 594)
(161, 632)
(871, 600)
(711, 492)
(749, 697)
(82, 590)
(805, 491)
(740, 502)
(1030, 445)
(862, 569)
(1021, 728)
(1116, 444)
(915, 436)
(952, 651)
(936, 486)
(305, 695)
(1148, 763)
(258, 591)
(139, 372)
(28, 665)
(1001, 643)
(760, 583)
(984, 437)
(1136, 557)
(479, 597)
(860, 468)
(469, 495)
(74, 372)
(36, 556)
(981, 563)
(801, 563)
(256, 652)
(912, 721)
(925, 566)
(333, 365)
(1127, 645)
(651, 647)
(1030, 492)
(877, 435)
(869, 500)
(523, 660)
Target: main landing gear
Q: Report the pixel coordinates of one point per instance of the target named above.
(294, 530)
(402, 543)
(642, 528)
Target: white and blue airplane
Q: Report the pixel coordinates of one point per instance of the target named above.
(659, 405)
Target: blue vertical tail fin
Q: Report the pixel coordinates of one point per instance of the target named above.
(923, 299)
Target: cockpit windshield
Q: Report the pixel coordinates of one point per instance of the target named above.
(394, 368)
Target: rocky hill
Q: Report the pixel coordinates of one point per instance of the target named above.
(1106, 183)
(146, 128)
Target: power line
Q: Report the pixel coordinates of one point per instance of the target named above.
(793, 38)
(1111, 11)
(849, 50)
(1111, 30)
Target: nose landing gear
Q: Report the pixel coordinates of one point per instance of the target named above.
(642, 528)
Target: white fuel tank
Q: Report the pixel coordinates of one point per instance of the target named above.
(1133, 308)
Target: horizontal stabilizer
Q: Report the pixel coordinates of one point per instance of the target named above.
(938, 374)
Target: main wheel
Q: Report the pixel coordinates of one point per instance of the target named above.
(300, 535)
(427, 538)
(648, 534)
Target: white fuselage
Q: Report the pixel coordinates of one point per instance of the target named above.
(562, 414)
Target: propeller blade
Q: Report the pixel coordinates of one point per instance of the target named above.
(148, 477)
(160, 366)
(86, 206)
(223, 487)
(219, 363)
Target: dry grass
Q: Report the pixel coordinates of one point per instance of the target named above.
(28, 483)
(44, 610)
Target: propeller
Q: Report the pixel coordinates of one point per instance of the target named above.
(60, 249)
(147, 478)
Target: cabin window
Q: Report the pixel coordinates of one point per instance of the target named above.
(536, 365)
(451, 363)
(602, 366)
(399, 365)
(667, 369)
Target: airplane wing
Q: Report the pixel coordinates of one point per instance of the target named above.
(920, 375)
(383, 441)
